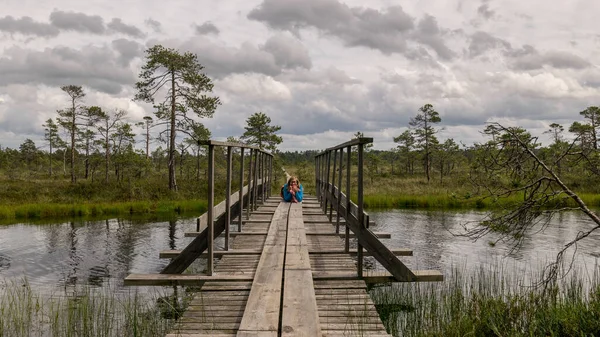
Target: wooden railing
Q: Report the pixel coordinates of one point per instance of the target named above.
(332, 198)
(217, 219)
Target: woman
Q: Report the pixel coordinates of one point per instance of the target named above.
(292, 190)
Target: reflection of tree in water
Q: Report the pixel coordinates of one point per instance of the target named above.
(172, 229)
(97, 274)
(74, 259)
(170, 306)
(4, 262)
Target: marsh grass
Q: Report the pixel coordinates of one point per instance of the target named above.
(57, 211)
(491, 301)
(87, 312)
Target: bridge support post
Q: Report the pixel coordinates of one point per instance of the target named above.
(211, 206)
(241, 192)
(227, 196)
(348, 163)
(249, 186)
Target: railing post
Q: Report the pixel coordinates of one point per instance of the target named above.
(327, 182)
(348, 162)
(211, 205)
(339, 195)
(317, 192)
(269, 173)
(263, 174)
(241, 192)
(249, 185)
(360, 214)
(255, 185)
(332, 184)
(227, 197)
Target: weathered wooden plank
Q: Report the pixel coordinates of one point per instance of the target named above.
(262, 310)
(180, 279)
(299, 313)
(381, 277)
(169, 254)
(194, 234)
(380, 235)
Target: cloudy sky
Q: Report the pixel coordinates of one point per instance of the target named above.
(321, 69)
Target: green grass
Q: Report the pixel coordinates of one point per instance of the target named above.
(491, 301)
(14, 212)
(24, 312)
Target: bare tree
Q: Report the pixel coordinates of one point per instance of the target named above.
(509, 166)
(70, 118)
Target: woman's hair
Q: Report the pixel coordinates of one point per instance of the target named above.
(293, 178)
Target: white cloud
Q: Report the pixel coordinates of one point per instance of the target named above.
(254, 87)
(360, 66)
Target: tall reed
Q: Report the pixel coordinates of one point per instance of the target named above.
(491, 301)
(24, 312)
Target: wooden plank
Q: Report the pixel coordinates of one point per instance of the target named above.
(180, 279)
(353, 252)
(380, 235)
(299, 313)
(380, 277)
(195, 234)
(261, 315)
(169, 254)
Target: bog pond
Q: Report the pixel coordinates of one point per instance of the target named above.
(52, 257)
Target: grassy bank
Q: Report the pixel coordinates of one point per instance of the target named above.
(56, 211)
(491, 302)
(24, 312)
(455, 201)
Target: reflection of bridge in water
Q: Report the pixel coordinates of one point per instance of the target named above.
(287, 269)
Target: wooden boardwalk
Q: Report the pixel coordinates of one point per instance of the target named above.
(283, 299)
(286, 270)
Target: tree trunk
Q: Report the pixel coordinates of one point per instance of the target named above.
(73, 145)
(50, 159)
(106, 157)
(172, 183)
(87, 158)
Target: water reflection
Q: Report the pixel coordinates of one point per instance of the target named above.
(102, 253)
(99, 253)
(431, 236)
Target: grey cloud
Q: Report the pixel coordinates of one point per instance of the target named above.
(95, 67)
(128, 50)
(481, 42)
(207, 28)
(428, 33)
(528, 58)
(117, 25)
(27, 26)
(329, 75)
(388, 30)
(485, 11)
(288, 52)
(155, 25)
(79, 22)
(276, 55)
(220, 61)
(357, 26)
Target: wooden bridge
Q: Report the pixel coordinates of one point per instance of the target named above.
(286, 269)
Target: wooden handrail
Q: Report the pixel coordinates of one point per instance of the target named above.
(356, 219)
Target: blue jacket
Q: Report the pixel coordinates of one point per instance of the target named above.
(287, 196)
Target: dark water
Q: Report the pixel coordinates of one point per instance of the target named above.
(98, 253)
(103, 253)
(431, 236)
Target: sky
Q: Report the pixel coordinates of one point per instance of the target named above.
(321, 69)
